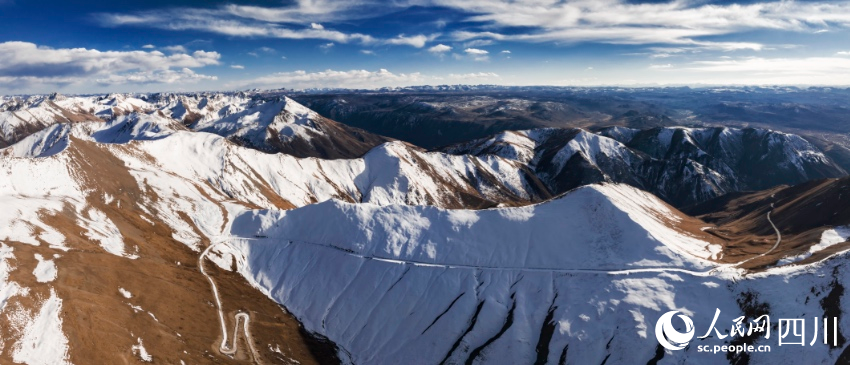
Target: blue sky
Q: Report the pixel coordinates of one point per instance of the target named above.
(158, 45)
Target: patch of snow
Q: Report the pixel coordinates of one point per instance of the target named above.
(45, 271)
(125, 293)
(43, 342)
(140, 351)
(100, 228)
(8, 289)
(829, 237)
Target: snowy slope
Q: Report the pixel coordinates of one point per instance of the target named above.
(171, 162)
(514, 285)
(610, 226)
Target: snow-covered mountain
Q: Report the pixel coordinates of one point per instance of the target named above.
(683, 166)
(270, 123)
(580, 279)
(140, 193)
(112, 205)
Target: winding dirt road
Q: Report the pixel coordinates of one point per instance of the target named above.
(225, 347)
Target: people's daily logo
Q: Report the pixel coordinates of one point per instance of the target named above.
(667, 334)
(755, 333)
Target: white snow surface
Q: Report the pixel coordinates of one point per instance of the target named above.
(140, 351)
(424, 285)
(43, 342)
(599, 227)
(8, 289)
(45, 271)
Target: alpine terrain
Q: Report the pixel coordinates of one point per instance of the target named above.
(244, 227)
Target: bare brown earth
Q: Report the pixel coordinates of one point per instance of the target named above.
(801, 213)
(172, 307)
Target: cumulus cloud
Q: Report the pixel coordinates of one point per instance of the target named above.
(505, 52)
(326, 46)
(440, 48)
(333, 79)
(149, 46)
(367, 52)
(238, 67)
(25, 63)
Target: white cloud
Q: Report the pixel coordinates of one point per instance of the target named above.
(661, 67)
(266, 50)
(315, 11)
(775, 66)
(780, 71)
(478, 43)
(326, 46)
(222, 21)
(618, 21)
(367, 52)
(23, 62)
(505, 52)
(417, 41)
(175, 49)
(477, 54)
(333, 79)
(475, 51)
(440, 48)
(166, 76)
(673, 22)
(149, 46)
(211, 21)
(474, 76)
(842, 53)
(359, 79)
(238, 67)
